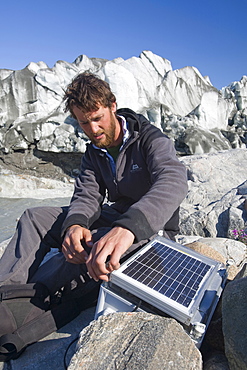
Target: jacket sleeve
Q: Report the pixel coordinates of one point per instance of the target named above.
(89, 193)
(168, 189)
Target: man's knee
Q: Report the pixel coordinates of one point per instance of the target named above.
(43, 213)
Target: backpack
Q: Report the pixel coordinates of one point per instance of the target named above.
(28, 313)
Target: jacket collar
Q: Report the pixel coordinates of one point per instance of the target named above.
(131, 117)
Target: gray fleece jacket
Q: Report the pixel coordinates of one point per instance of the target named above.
(147, 188)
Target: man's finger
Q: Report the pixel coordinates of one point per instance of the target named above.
(73, 256)
(112, 266)
(88, 238)
(96, 268)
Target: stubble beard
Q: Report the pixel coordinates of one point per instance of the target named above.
(109, 136)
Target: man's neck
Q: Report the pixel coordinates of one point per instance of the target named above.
(114, 151)
(119, 133)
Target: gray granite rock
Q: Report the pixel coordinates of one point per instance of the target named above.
(215, 203)
(135, 341)
(217, 361)
(234, 323)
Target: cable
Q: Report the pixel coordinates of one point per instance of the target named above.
(66, 352)
(137, 306)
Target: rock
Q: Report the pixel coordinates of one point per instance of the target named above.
(33, 186)
(56, 166)
(243, 272)
(206, 251)
(135, 341)
(197, 140)
(217, 361)
(233, 271)
(215, 203)
(234, 320)
(214, 336)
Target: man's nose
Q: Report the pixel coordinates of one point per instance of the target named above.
(94, 127)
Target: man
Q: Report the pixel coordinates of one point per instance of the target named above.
(130, 186)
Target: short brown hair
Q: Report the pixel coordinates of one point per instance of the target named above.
(88, 92)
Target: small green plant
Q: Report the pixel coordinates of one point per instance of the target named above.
(240, 235)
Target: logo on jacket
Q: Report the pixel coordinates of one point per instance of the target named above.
(135, 168)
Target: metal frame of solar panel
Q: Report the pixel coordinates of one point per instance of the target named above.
(172, 278)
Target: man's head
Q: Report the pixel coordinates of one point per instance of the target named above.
(90, 100)
(88, 92)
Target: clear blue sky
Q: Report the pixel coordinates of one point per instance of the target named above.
(208, 34)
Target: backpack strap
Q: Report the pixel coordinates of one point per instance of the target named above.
(31, 290)
(11, 346)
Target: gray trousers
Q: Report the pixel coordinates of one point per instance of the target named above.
(37, 232)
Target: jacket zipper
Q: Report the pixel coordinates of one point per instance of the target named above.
(112, 166)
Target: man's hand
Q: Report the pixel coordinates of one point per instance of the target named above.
(113, 244)
(72, 247)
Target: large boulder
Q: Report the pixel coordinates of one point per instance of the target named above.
(216, 200)
(234, 322)
(135, 341)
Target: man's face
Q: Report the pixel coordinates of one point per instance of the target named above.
(101, 126)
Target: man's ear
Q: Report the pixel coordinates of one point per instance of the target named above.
(114, 107)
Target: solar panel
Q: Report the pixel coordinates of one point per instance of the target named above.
(167, 278)
(169, 272)
(167, 275)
